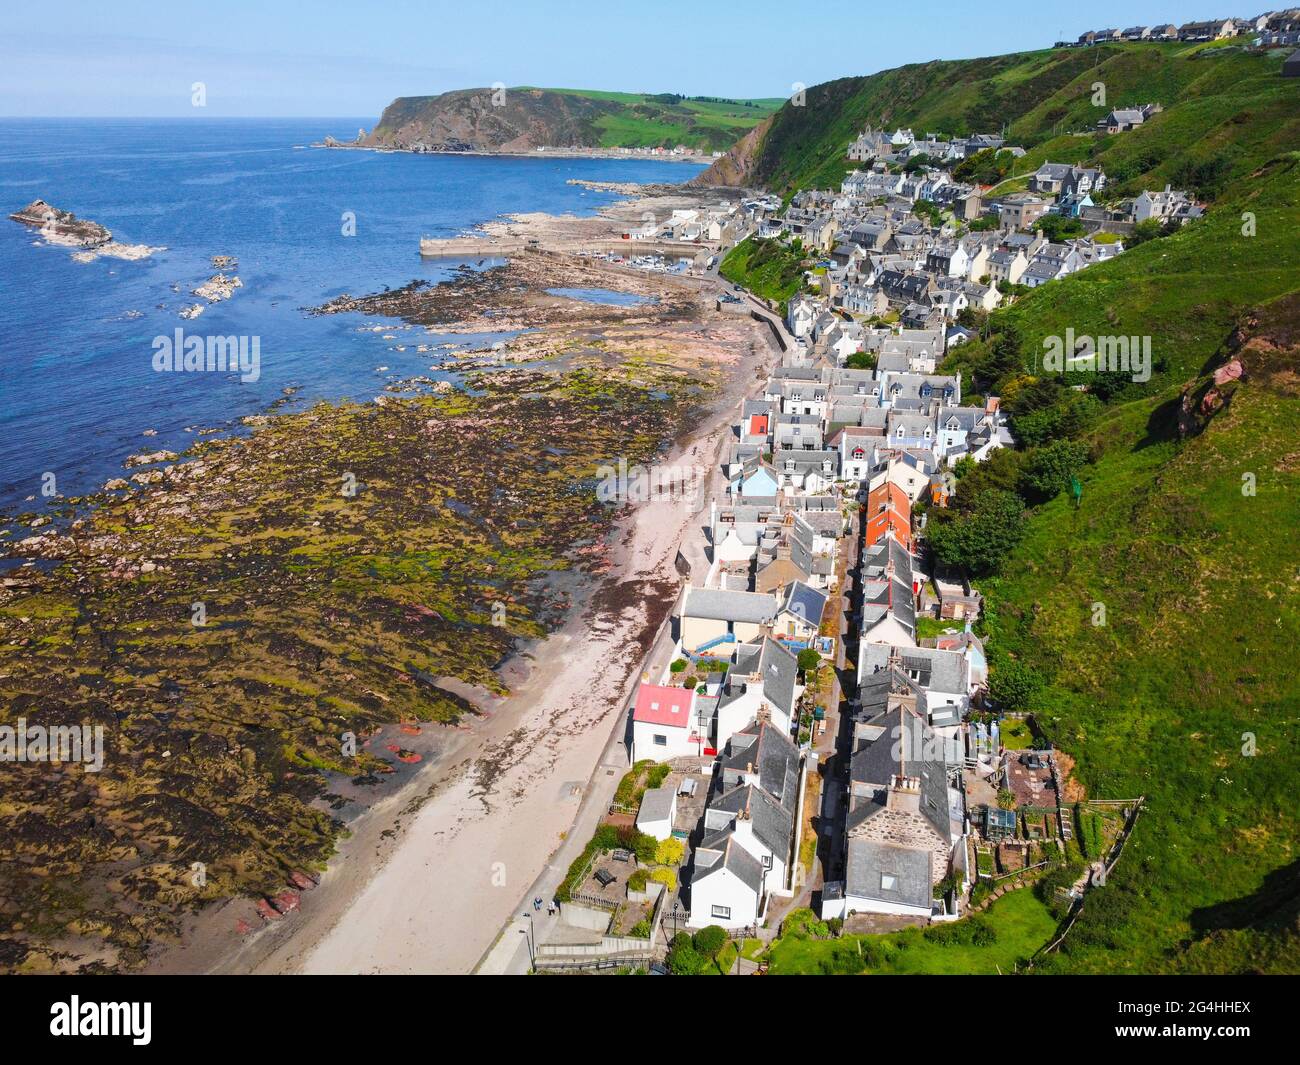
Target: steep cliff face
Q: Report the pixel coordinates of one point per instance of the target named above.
(521, 119)
(490, 120)
(736, 168)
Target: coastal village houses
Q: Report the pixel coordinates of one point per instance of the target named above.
(831, 455)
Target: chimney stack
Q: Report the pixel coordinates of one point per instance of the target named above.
(904, 795)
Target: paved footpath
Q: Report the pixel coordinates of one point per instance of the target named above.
(510, 954)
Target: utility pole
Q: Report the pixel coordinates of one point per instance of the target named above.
(527, 933)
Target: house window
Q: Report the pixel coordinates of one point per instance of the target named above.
(767, 861)
(661, 740)
(887, 882)
(721, 911)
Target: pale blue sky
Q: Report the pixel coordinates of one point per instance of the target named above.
(333, 59)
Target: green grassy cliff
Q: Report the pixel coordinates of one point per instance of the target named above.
(1220, 101)
(522, 118)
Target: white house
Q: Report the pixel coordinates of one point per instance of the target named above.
(800, 315)
(726, 887)
(664, 724)
(751, 830)
(857, 451)
(762, 682)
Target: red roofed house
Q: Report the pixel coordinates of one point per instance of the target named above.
(663, 724)
(888, 507)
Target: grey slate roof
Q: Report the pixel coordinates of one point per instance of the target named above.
(944, 670)
(656, 804)
(907, 746)
(888, 873)
(804, 602)
(772, 823)
(718, 605)
(805, 462)
(772, 754)
(778, 666)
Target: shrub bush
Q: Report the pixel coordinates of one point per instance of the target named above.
(632, 839)
(683, 959)
(709, 940)
(976, 931)
(670, 852)
(804, 924)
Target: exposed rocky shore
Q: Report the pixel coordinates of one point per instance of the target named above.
(231, 615)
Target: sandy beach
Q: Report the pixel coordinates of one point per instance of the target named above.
(431, 874)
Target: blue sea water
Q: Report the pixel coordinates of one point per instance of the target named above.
(77, 384)
(606, 296)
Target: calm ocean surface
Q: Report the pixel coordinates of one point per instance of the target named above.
(77, 386)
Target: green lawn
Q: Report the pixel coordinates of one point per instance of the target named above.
(1022, 923)
(928, 627)
(1016, 734)
(725, 962)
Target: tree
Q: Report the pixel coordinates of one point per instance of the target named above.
(1048, 469)
(985, 168)
(683, 959)
(1006, 355)
(709, 940)
(1056, 227)
(980, 538)
(1012, 684)
(808, 660)
(861, 360)
(1143, 232)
